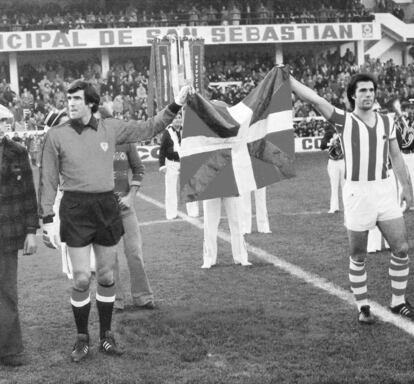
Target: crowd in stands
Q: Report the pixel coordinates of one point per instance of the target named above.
(230, 79)
(33, 144)
(30, 16)
(388, 6)
(327, 74)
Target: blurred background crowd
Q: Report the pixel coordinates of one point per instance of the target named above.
(159, 13)
(228, 77)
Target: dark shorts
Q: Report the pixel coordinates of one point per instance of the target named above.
(90, 218)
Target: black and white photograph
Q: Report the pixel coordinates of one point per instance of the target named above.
(206, 192)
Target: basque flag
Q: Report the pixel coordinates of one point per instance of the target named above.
(229, 150)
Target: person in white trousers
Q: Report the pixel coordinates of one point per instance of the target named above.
(212, 213)
(336, 166)
(262, 219)
(169, 161)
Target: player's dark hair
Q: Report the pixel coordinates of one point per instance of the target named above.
(352, 86)
(91, 96)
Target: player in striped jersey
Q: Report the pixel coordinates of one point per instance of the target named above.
(368, 140)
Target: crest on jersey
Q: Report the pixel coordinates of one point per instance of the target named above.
(104, 146)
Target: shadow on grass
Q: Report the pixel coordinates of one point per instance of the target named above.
(255, 264)
(255, 345)
(191, 334)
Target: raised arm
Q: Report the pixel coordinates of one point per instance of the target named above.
(310, 96)
(133, 131)
(136, 131)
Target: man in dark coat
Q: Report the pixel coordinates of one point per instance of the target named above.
(18, 224)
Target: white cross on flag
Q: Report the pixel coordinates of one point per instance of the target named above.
(226, 151)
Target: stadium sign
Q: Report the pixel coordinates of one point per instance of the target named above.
(277, 33)
(307, 144)
(140, 37)
(151, 152)
(148, 153)
(302, 144)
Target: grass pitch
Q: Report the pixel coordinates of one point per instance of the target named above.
(228, 324)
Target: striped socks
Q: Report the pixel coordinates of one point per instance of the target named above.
(81, 306)
(105, 298)
(398, 273)
(358, 280)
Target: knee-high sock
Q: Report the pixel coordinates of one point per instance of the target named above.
(398, 272)
(358, 280)
(105, 298)
(81, 306)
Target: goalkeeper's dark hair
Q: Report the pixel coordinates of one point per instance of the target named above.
(91, 96)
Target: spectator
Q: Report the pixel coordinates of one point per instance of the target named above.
(204, 17)
(224, 15)
(118, 106)
(211, 15)
(16, 138)
(141, 92)
(27, 99)
(398, 12)
(193, 16)
(328, 74)
(263, 14)
(34, 150)
(153, 14)
(248, 14)
(235, 15)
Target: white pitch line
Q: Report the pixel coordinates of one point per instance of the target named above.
(380, 311)
(184, 217)
(303, 213)
(195, 221)
(147, 223)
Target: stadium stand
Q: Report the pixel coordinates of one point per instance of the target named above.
(18, 16)
(231, 77)
(125, 86)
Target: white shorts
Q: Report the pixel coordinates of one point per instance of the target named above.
(366, 203)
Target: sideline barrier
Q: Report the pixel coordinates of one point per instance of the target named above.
(302, 144)
(150, 152)
(47, 40)
(308, 144)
